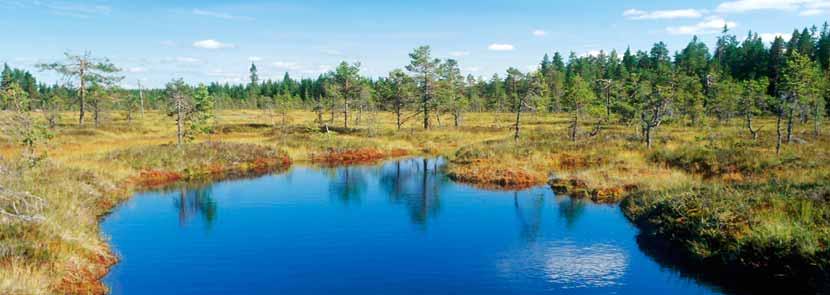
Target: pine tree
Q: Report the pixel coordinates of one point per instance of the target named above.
(348, 86)
(727, 55)
(424, 67)
(806, 43)
(253, 86)
(514, 82)
(396, 91)
(18, 125)
(655, 106)
(7, 78)
(85, 69)
(777, 59)
(180, 105)
(724, 101)
(690, 99)
(694, 59)
(753, 58)
(752, 102)
(545, 64)
(577, 97)
(202, 113)
(628, 61)
(800, 85)
(450, 89)
(823, 47)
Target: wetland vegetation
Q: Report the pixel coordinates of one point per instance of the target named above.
(719, 153)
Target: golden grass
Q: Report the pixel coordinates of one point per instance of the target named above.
(81, 175)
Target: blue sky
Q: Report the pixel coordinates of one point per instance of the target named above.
(200, 41)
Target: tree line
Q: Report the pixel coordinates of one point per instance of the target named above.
(738, 79)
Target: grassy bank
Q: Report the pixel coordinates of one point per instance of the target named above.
(52, 243)
(777, 230)
(720, 195)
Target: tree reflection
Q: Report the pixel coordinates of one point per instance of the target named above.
(348, 184)
(529, 214)
(415, 183)
(392, 179)
(196, 201)
(571, 209)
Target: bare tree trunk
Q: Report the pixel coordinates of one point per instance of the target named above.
(574, 125)
(82, 90)
(95, 113)
(319, 111)
(816, 124)
(359, 115)
(790, 126)
(607, 89)
(141, 98)
(518, 117)
(346, 111)
(425, 103)
(331, 111)
(426, 113)
(179, 121)
(648, 135)
(398, 113)
(753, 132)
(778, 133)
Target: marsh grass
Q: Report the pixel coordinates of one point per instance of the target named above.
(777, 229)
(713, 190)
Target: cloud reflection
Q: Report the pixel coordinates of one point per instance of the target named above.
(598, 265)
(567, 266)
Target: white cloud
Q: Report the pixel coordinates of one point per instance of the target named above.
(212, 44)
(588, 53)
(807, 7)
(287, 66)
(459, 53)
(531, 68)
(254, 58)
(811, 12)
(769, 37)
(136, 70)
(500, 47)
(633, 12)
(539, 33)
(217, 14)
(637, 14)
(708, 26)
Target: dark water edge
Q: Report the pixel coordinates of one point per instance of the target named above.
(419, 184)
(730, 279)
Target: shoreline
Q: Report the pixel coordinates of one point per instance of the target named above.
(92, 282)
(100, 168)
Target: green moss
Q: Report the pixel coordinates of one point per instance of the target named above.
(780, 228)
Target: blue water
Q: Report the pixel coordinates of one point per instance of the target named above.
(397, 228)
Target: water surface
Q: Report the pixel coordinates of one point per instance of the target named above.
(397, 228)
